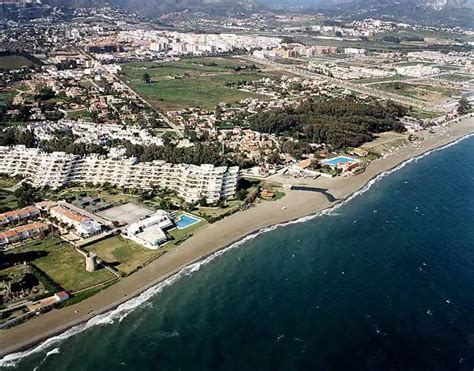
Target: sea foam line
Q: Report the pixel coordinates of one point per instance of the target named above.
(124, 309)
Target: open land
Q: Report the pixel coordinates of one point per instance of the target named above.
(59, 261)
(216, 236)
(14, 62)
(125, 255)
(190, 82)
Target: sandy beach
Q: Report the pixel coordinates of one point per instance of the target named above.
(214, 237)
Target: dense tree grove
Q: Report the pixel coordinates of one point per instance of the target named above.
(69, 146)
(12, 137)
(339, 122)
(464, 106)
(198, 154)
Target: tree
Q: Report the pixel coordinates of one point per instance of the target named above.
(464, 106)
(203, 201)
(146, 78)
(218, 113)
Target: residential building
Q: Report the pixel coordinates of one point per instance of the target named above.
(83, 224)
(58, 169)
(15, 216)
(23, 232)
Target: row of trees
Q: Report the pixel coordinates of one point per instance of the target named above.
(201, 153)
(339, 122)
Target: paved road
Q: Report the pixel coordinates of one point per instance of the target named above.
(134, 93)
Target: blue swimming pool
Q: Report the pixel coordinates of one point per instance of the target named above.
(338, 160)
(185, 221)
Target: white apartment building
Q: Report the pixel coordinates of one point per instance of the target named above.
(59, 169)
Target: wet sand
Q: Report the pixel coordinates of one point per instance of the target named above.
(294, 205)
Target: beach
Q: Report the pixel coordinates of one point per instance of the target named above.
(294, 205)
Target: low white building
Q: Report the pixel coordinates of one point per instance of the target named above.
(150, 231)
(84, 226)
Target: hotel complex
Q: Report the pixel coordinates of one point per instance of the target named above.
(59, 169)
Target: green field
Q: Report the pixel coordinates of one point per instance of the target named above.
(62, 263)
(417, 91)
(231, 207)
(14, 62)
(125, 255)
(191, 82)
(78, 114)
(455, 77)
(8, 201)
(179, 235)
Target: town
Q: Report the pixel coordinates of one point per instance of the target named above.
(122, 138)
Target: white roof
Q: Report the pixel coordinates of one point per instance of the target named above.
(152, 235)
(89, 226)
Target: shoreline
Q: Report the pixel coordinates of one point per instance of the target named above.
(217, 238)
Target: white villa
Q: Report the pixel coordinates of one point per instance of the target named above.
(59, 169)
(150, 231)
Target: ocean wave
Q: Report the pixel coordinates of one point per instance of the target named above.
(124, 309)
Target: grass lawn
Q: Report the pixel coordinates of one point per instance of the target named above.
(232, 206)
(179, 235)
(8, 201)
(190, 82)
(62, 263)
(7, 182)
(5, 96)
(110, 195)
(78, 114)
(417, 91)
(14, 62)
(455, 77)
(124, 254)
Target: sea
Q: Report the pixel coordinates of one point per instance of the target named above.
(384, 281)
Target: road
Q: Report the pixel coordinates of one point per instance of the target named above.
(134, 93)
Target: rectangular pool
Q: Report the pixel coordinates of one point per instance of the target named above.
(185, 221)
(338, 160)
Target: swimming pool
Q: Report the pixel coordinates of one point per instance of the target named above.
(185, 221)
(338, 160)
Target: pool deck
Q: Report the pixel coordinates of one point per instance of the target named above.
(190, 216)
(342, 159)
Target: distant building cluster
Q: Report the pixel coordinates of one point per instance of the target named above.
(419, 70)
(176, 43)
(298, 50)
(59, 169)
(89, 132)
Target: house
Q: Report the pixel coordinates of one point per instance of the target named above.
(359, 152)
(84, 225)
(150, 231)
(23, 232)
(15, 216)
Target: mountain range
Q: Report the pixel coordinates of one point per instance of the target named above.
(453, 12)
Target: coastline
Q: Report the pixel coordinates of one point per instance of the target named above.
(219, 236)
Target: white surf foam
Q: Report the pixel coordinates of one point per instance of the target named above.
(119, 313)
